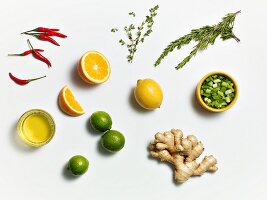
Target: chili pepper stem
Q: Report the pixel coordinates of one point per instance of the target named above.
(28, 33)
(34, 79)
(14, 55)
(30, 45)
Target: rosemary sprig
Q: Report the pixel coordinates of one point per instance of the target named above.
(204, 37)
(142, 31)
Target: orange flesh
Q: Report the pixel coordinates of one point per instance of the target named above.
(96, 66)
(71, 101)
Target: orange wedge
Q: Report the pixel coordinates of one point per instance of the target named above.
(68, 103)
(94, 68)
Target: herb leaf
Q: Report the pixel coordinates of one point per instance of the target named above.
(132, 14)
(113, 30)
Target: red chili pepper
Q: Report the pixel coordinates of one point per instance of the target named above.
(42, 29)
(46, 38)
(52, 33)
(43, 37)
(23, 81)
(25, 53)
(38, 55)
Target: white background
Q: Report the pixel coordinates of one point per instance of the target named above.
(237, 138)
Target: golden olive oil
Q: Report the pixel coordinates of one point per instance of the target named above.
(36, 127)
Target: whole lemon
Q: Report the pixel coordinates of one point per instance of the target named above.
(148, 94)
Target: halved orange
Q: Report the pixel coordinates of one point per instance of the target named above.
(68, 103)
(94, 68)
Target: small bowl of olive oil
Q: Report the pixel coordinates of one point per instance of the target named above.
(36, 127)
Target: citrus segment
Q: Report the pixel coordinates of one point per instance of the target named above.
(68, 103)
(94, 68)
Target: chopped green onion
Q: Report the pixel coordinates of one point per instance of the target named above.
(224, 84)
(210, 83)
(228, 92)
(217, 91)
(220, 93)
(217, 81)
(215, 85)
(223, 89)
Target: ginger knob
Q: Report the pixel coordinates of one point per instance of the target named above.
(182, 153)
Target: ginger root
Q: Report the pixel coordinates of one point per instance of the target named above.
(182, 152)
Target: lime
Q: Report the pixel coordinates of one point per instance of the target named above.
(101, 121)
(78, 165)
(113, 141)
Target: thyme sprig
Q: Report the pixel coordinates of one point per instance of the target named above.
(142, 31)
(204, 37)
